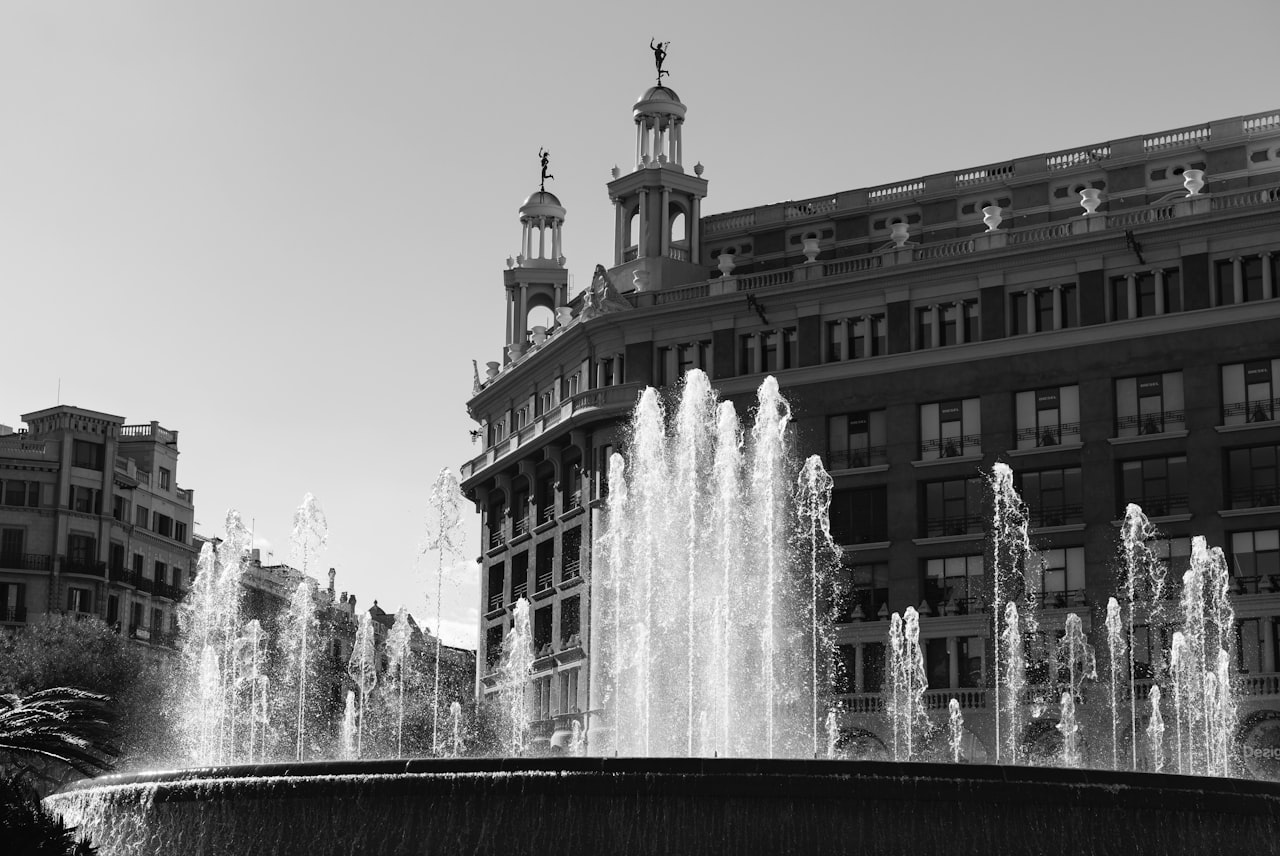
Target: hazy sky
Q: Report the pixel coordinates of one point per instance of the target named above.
(280, 227)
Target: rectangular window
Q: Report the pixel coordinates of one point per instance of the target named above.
(1018, 303)
(87, 454)
(867, 336)
(952, 507)
(86, 500)
(137, 563)
(569, 691)
(497, 581)
(856, 440)
(1159, 485)
(1038, 310)
(1249, 286)
(180, 531)
(860, 515)
(542, 631)
(1052, 496)
(924, 327)
(165, 478)
(571, 562)
(771, 351)
(141, 516)
(11, 548)
(747, 363)
(953, 585)
(570, 621)
(868, 587)
(1149, 405)
(159, 572)
(544, 564)
(1063, 577)
(164, 524)
(1144, 294)
(82, 553)
(79, 599)
(956, 322)
(492, 646)
(1047, 417)
(950, 429)
(1253, 477)
(1255, 560)
(1248, 392)
(519, 576)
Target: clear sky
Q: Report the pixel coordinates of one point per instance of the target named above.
(279, 226)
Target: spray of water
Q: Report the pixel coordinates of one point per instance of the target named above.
(514, 672)
(363, 669)
(400, 668)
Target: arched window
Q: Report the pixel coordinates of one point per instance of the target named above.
(678, 226)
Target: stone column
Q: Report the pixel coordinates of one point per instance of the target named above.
(1057, 307)
(953, 662)
(1237, 275)
(935, 331)
(642, 238)
(1031, 311)
(695, 231)
(959, 305)
(619, 232)
(1158, 273)
(1268, 644)
(857, 668)
(1268, 285)
(542, 238)
(665, 239)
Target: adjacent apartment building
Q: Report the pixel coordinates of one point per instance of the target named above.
(1103, 318)
(92, 521)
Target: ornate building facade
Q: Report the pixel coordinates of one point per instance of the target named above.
(1104, 319)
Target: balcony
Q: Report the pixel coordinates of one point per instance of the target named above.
(13, 614)
(520, 527)
(1055, 515)
(519, 590)
(570, 569)
(1063, 599)
(165, 590)
(495, 601)
(951, 447)
(542, 581)
(547, 513)
(497, 539)
(1261, 497)
(1268, 584)
(856, 459)
(1150, 424)
(26, 562)
(1164, 506)
(942, 527)
(137, 631)
(1043, 437)
(573, 501)
(87, 567)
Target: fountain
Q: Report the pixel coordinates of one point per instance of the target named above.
(711, 662)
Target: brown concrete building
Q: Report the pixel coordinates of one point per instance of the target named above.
(1104, 319)
(92, 521)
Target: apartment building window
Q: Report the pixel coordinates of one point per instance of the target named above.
(1248, 392)
(542, 631)
(1047, 417)
(1245, 279)
(546, 498)
(571, 547)
(1037, 310)
(950, 429)
(544, 564)
(768, 351)
(519, 576)
(159, 571)
(867, 587)
(856, 440)
(86, 500)
(609, 371)
(675, 361)
(497, 581)
(1253, 477)
(179, 531)
(137, 563)
(21, 493)
(119, 508)
(1063, 577)
(166, 478)
(164, 525)
(860, 515)
(601, 480)
(141, 516)
(1144, 294)
(492, 646)
(570, 386)
(951, 507)
(1149, 405)
(79, 599)
(570, 620)
(569, 691)
(943, 324)
(13, 602)
(520, 418)
(115, 558)
(953, 584)
(87, 454)
(82, 552)
(856, 337)
(1159, 485)
(11, 544)
(1255, 560)
(1052, 496)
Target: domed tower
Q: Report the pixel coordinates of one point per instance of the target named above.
(657, 206)
(536, 278)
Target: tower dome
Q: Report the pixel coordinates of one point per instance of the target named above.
(659, 115)
(542, 203)
(541, 214)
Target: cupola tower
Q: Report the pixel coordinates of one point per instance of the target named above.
(536, 278)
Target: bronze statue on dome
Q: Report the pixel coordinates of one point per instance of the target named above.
(545, 157)
(659, 56)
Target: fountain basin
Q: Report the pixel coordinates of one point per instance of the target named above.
(571, 805)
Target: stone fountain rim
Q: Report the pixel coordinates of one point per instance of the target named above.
(708, 771)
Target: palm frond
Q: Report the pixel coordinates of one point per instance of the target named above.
(70, 725)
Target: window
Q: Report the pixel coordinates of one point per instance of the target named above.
(137, 563)
(542, 630)
(1048, 417)
(1159, 485)
(866, 336)
(953, 585)
(546, 494)
(1144, 294)
(601, 481)
(87, 454)
(166, 478)
(159, 571)
(141, 516)
(520, 512)
(520, 418)
(865, 589)
(860, 515)
(1052, 496)
(544, 564)
(164, 525)
(569, 691)
(11, 544)
(115, 558)
(180, 531)
(570, 621)
(571, 386)
(952, 507)
(543, 403)
(519, 576)
(946, 324)
(856, 440)
(1149, 405)
(1253, 477)
(1038, 310)
(13, 602)
(950, 429)
(1255, 560)
(571, 563)
(82, 551)
(21, 493)
(1244, 280)
(768, 351)
(497, 580)
(609, 371)
(1063, 577)
(675, 361)
(86, 500)
(119, 508)
(1248, 394)
(79, 599)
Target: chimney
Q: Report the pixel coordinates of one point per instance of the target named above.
(332, 574)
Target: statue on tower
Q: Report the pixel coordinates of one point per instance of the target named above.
(659, 56)
(545, 157)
